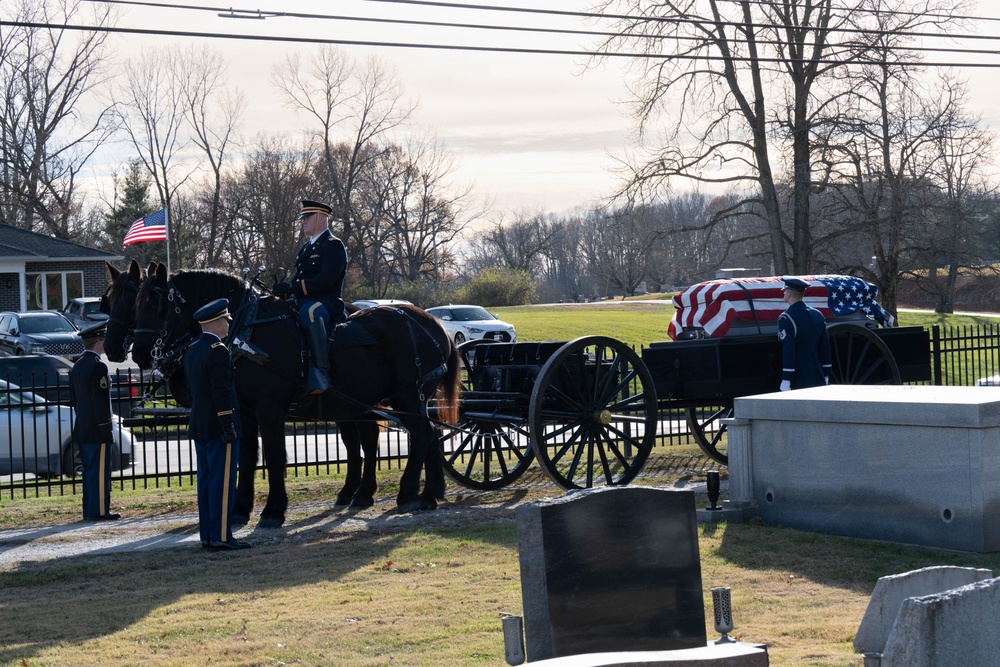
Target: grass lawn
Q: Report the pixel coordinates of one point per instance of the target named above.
(373, 588)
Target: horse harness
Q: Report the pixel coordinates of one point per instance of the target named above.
(348, 334)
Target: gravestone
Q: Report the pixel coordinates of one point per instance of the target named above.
(891, 591)
(611, 568)
(949, 629)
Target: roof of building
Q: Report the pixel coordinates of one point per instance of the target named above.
(16, 243)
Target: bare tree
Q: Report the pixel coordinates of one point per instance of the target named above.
(354, 107)
(213, 112)
(959, 224)
(152, 112)
(881, 149)
(410, 215)
(524, 242)
(729, 76)
(259, 198)
(618, 247)
(45, 139)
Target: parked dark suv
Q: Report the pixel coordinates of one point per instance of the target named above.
(48, 377)
(39, 332)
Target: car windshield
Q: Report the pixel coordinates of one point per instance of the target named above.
(10, 395)
(470, 314)
(92, 308)
(46, 324)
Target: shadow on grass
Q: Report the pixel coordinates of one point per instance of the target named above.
(843, 562)
(71, 601)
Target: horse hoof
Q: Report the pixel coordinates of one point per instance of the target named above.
(361, 503)
(428, 505)
(239, 520)
(343, 502)
(406, 508)
(270, 523)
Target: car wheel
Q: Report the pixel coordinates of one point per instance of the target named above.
(18, 351)
(459, 338)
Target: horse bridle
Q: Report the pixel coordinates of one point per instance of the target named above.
(105, 307)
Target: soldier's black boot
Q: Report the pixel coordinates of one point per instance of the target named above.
(317, 376)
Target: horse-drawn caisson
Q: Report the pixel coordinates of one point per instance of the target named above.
(590, 410)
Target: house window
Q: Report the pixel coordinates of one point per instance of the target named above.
(52, 290)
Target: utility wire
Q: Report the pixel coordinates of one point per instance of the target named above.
(460, 47)
(763, 3)
(257, 13)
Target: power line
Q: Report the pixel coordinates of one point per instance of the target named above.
(457, 47)
(245, 13)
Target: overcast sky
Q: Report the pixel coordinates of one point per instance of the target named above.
(529, 131)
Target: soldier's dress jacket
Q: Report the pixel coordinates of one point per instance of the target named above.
(805, 346)
(320, 269)
(90, 396)
(209, 369)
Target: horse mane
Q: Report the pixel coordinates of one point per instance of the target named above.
(199, 286)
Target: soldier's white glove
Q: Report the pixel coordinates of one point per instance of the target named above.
(786, 385)
(827, 379)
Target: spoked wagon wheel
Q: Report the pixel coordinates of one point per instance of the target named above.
(708, 430)
(485, 454)
(593, 414)
(483, 451)
(860, 356)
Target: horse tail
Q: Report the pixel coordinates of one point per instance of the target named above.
(451, 383)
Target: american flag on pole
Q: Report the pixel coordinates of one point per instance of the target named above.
(152, 227)
(716, 304)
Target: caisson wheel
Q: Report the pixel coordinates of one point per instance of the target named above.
(593, 414)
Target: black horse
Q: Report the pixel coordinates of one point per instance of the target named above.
(118, 303)
(385, 372)
(359, 485)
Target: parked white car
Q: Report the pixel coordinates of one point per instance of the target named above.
(472, 323)
(37, 436)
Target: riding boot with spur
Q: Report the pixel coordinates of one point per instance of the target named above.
(317, 377)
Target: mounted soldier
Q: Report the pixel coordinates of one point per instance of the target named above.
(318, 288)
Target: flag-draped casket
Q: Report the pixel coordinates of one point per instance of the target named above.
(716, 305)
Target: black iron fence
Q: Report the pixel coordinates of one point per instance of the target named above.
(37, 458)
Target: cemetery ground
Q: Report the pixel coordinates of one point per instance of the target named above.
(359, 589)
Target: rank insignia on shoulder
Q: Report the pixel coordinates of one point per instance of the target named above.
(219, 344)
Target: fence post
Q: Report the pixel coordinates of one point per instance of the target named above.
(936, 352)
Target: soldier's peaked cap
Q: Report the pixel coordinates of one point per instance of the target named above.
(793, 283)
(96, 330)
(309, 207)
(213, 310)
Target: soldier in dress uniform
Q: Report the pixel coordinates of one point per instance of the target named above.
(805, 345)
(318, 288)
(214, 426)
(90, 396)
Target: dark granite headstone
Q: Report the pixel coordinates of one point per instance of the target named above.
(611, 569)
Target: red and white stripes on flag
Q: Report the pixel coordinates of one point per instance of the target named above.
(714, 305)
(152, 227)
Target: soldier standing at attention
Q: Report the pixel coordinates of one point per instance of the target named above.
(805, 345)
(214, 426)
(90, 396)
(318, 288)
